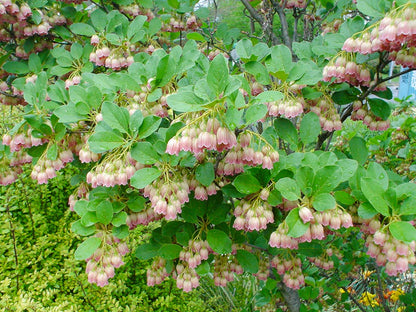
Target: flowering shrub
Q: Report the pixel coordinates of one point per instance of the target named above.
(229, 149)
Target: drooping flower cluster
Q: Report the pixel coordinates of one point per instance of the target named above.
(143, 217)
(101, 265)
(195, 252)
(263, 272)
(208, 135)
(328, 116)
(134, 10)
(374, 123)
(105, 55)
(395, 255)
(345, 69)
(224, 269)
(394, 32)
(22, 140)
(291, 269)
(288, 107)
(186, 277)
(141, 101)
(46, 169)
(157, 273)
(244, 154)
(113, 170)
(177, 24)
(253, 213)
(325, 261)
(290, 4)
(334, 219)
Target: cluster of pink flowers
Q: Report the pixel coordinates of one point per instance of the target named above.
(101, 265)
(20, 158)
(195, 252)
(15, 97)
(374, 123)
(224, 269)
(21, 140)
(291, 271)
(72, 81)
(395, 255)
(157, 273)
(175, 24)
(8, 174)
(134, 10)
(140, 102)
(288, 107)
(46, 169)
(291, 4)
(81, 193)
(243, 154)
(186, 277)
(405, 57)
(143, 217)
(167, 197)
(209, 135)
(324, 261)
(332, 27)
(115, 60)
(12, 13)
(345, 70)
(333, 218)
(38, 47)
(113, 171)
(253, 214)
(328, 116)
(263, 272)
(394, 32)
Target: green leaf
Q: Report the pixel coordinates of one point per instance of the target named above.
(344, 97)
(169, 251)
(259, 72)
(373, 191)
(310, 249)
(255, 112)
(147, 251)
(304, 177)
(219, 241)
(87, 248)
(119, 219)
(324, 201)
(136, 121)
(195, 36)
(288, 188)
(99, 19)
(371, 8)
(403, 231)
(348, 168)
(280, 62)
(136, 203)
(120, 232)
(144, 153)
(52, 153)
(310, 128)
(344, 198)
(104, 141)
(377, 172)
(16, 67)
(104, 211)
(358, 149)
(185, 102)
(217, 77)
(205, 173)
(296, 226)
(116, 117)
(366, 211)
(286, 130)
(268, 96)
(380, 108)
(82, 230)
(149, 126)
(246, 184)
(136, 25)
(326, 179)
(82, 29)
(34, 63)
(144, 177)
(248, 261)
(244, 48)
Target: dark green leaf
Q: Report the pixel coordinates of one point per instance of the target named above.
(380, 108)
(82, 29)
(104, 211)
(286, 130)
(324, 201)
(144, 177)
(144, 153)
(310, 128)
(255, 112)
(217, 77)
(288, 188)
(296, 226)
(373, 191)
(205, 173)
(219, 241)
(170, 251)
(358, 149)
(104, 141)
(147, 251)
(116, 117)
(248, 261)
(403, 231)
(149, 126)
(246, 184)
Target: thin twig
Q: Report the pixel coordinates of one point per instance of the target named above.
(85, 294)
(11, 95)
(12, 233)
